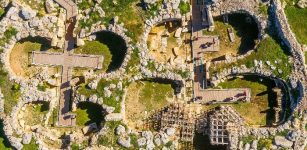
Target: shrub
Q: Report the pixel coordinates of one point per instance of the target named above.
(10, 32)
(184, 7)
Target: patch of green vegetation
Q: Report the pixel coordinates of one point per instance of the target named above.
(96, 48)
(153, 95)
(267, 50)
(151, 65)
(88, 113)
(248, 139)
(132, 66)
(295, 16)
(43, 87)
(264, 143)
(10, 96)
(36, 5)
(153, 10)
(169, 144)
(128, 13)
(184, 7)
(183, 73)
(2, 11)
(262, 99)
(263, 9)
(36, 113)
(114, 100)
(110, 139)
(85, 4)
(8, 34)
(54, 117)
(283, 133)
(75, 146)
(305, 57)
(31, 146)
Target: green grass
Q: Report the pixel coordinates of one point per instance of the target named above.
(31, 146)
(85, 4)
(2, 11)
(36, 112)
(110, 139)
(283, 133)
(256, 112)
(43, 87)
(128, 13)
(295, 16)
(10, 96)
(268, 50)
(96, 48)
(88, 113)
(154, 95)
(248, 139)
(264, 143)
(111, 101)
(184, 7)
(133, 22)
(132, 66)
(263, 9)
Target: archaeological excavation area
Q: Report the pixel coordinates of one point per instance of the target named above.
(152, 74)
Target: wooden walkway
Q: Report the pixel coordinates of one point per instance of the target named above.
(68, 61)
(70, 7)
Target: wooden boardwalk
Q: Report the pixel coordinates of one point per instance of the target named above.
(68, 61)
(70, 7)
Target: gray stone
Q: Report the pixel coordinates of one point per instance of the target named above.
(120, 129)
(49, 5)
(27, 13)
(141, 141)
(125, 142)
(283, 142)
(26, 138)
(170, 131)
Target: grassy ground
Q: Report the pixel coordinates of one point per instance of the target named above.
(133, 22)
(132, 66)
(257, 112)
(154, 95)
(31, 146)
(96, 48)
(19, 58)
(268, 50)
(35, 113)
(110, 139)
(295, 16)
(143, 98)
(115, 98)
(245, 35)
(121, 8)
(20, 55)
(88, 113)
